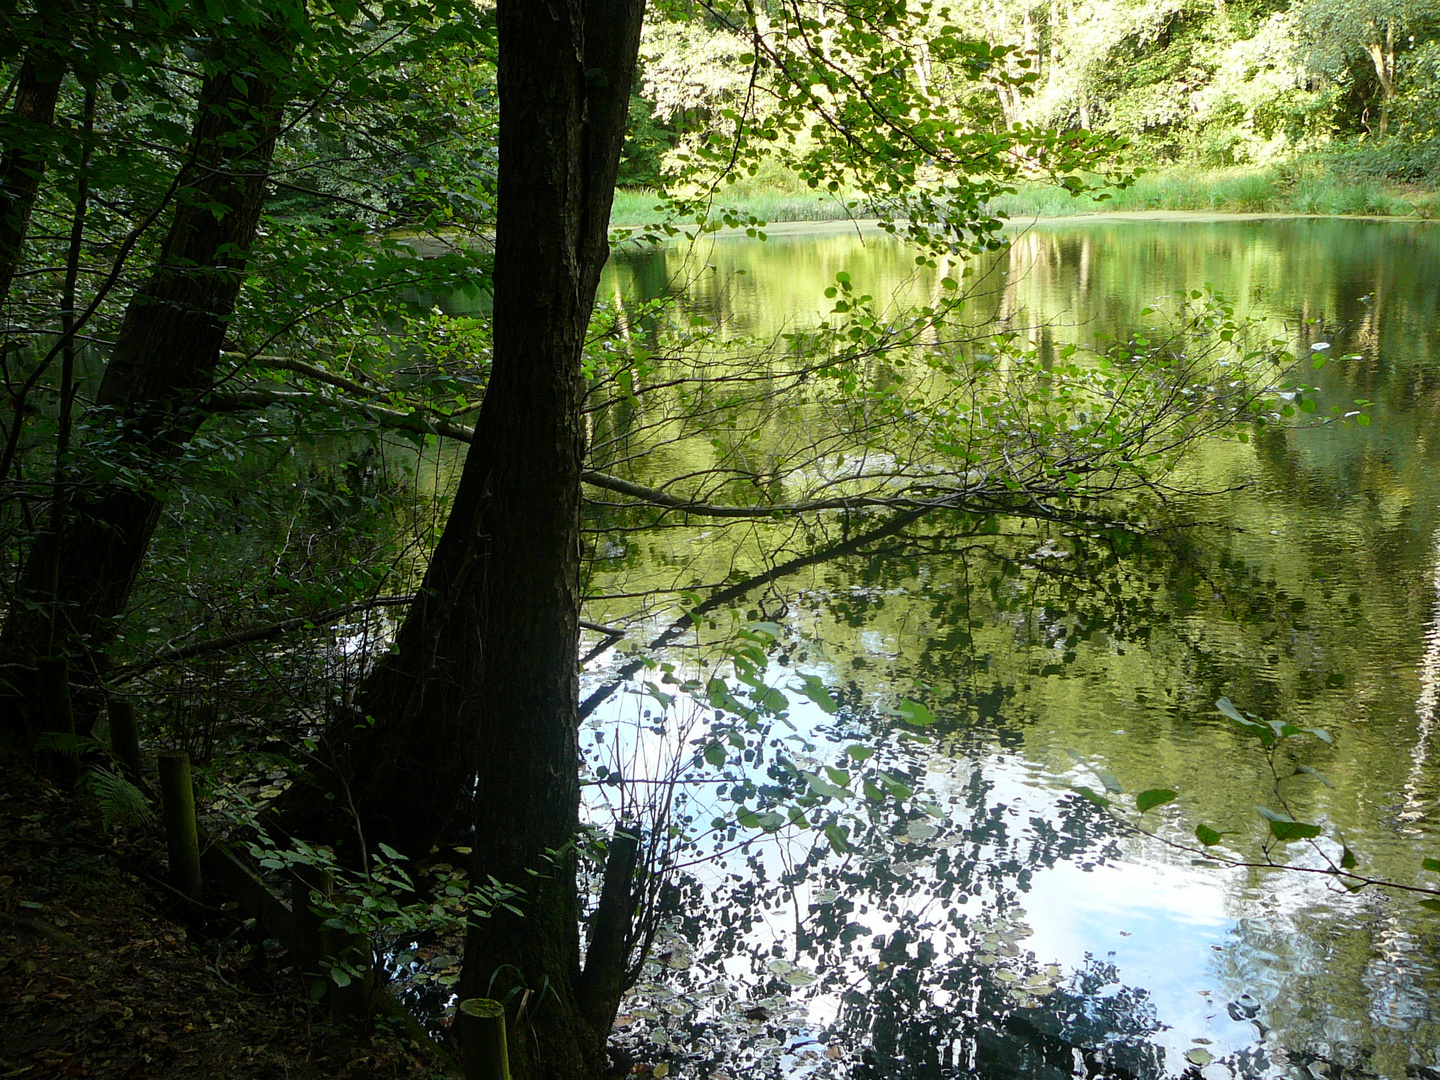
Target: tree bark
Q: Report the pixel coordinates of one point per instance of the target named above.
(77, 584)
(480, 694)
(22, 166)
(1382, 55)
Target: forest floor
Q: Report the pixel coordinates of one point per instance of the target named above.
(99, 977)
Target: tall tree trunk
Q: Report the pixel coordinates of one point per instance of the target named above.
(76, 585)
(22, 165)
(1382, 55)
(480, 694)
(411, 763)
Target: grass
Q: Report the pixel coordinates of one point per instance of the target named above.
(636, 206)
(1293, 188)
(1303, 186)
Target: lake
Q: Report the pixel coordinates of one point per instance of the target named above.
(996, 923)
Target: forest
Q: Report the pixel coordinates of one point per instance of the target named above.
(488, 557)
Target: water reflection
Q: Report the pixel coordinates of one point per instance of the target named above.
(1026, 936)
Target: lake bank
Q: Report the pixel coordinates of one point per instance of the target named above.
(1286, 190)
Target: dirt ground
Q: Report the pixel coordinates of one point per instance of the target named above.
(100, 977)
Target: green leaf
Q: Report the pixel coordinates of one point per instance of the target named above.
(1207, 836)
(1148, 800)
(1226, 706)
(1431, 905)
(1432, 865)
(1092, 796)
(771, 698)
(1308, 771)
(1284, 827)
(1347, 859)
(815, 690)
(715, 754)
(912, 712)
(390, 853)
(824, 787)
(839, 838)
(895, 787)
(1263, 732)
(860, 753)
(1111, 783)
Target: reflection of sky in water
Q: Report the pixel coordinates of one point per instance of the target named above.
(1201, 941)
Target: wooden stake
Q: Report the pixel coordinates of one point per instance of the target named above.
(125, 739)
(177, 797)
(483, 1052)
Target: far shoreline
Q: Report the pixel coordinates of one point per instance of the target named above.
(872, 225)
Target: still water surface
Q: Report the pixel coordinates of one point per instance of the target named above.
(1021, 932)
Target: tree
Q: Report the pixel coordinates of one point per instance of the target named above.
(475, 706)
(1334, 31)
(115, 468)
(79, 572)
(22, 165)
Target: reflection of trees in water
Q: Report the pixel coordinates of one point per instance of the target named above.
(912, 945)
(1034, 634)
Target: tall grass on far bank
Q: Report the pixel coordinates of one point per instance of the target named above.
(1292, 188)
(636, 206)
(1302, 186)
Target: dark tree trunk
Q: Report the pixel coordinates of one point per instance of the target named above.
(77, 583)
(480, 694)
(22, 166)
(501, 586)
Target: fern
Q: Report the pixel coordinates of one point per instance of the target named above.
(66, 744)
(121, 802)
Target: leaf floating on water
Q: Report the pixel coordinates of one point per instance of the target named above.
(800, 977)
(780, 967)
(1199, 1056)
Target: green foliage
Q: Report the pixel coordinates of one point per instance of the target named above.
(384, 906)
(121, 802)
